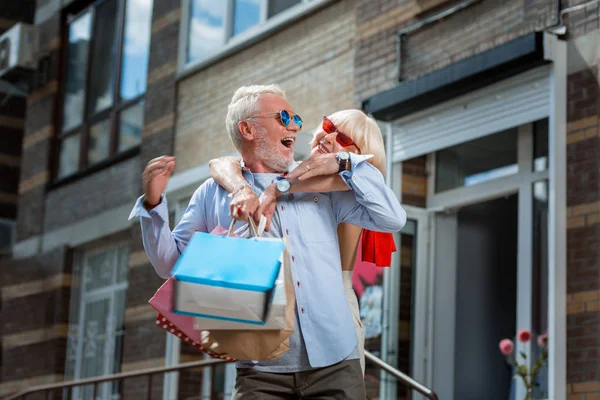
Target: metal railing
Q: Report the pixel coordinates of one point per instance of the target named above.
(401, 377)
(62, 390)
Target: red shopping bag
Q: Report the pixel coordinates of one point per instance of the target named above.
(181, 326)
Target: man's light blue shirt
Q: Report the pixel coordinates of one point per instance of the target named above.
(309, 221)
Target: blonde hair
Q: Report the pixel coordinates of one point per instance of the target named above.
(365, 132)
(244, 103)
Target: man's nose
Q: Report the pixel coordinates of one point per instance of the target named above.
(292, 126)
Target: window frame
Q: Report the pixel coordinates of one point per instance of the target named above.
(81, 296)
(265, 28)
(111, 114)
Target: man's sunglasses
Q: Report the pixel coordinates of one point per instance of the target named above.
(284, 117)
(343, 139)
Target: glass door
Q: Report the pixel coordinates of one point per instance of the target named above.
(488, 276)
(475, 299)
(100, 320)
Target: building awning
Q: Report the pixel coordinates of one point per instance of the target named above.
(464, 76)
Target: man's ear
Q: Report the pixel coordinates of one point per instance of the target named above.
(247, 130)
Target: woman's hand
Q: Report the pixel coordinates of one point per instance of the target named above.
(317, 164)
(268, 202)
(243, 204)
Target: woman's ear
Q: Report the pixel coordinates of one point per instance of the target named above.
(246, 129)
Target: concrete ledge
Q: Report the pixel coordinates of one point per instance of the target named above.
(106, 223)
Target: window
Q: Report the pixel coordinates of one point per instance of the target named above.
(105, 82)
(540, 145)
(7, 236)
(96, 323)
(477, 161)
(216, 25)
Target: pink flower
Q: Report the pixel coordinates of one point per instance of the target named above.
(543, 340)
(506, 347)
(524, 335)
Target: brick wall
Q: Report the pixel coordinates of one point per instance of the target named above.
(312, 60)
(35, 295)
(414, 182)
(145, 344)
(466, 33)
(37, 139)
(583, 206)
(583, 235)
(106, 189)
(12, 120)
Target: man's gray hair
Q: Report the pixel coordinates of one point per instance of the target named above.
(243, 105)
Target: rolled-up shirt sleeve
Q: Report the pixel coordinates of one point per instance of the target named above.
(162, 246)
(370, 203)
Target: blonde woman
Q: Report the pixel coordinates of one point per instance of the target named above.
(343, 131)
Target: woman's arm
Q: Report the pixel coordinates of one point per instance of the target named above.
(327, 183)
(227, 173)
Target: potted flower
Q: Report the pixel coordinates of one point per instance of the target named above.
(527, 371)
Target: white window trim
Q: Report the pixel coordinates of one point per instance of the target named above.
(243, 40)
(556, 50)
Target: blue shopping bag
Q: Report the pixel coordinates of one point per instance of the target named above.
(227, 278)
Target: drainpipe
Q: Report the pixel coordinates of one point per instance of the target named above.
(402, 33)
(560, 29)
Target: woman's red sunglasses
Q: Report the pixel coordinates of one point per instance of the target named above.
(343, 139)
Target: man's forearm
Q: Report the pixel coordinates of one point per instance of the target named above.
(227, 173)
(327, 183)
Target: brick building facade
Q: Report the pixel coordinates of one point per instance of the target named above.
(328, 55)
(12, 122)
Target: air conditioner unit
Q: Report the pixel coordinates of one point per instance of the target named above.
(17, 53)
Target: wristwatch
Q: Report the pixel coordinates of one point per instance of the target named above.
(343, 159)
(283, 186)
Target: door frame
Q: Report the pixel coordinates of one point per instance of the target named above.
(520, 183)
(109, 293)
(421, 308)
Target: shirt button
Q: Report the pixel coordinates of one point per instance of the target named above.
(302, 310)
(287, 232)
(293, 258)
(282, 208)
(298, 283)
(316, 199)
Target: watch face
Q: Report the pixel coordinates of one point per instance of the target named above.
(344, 155)
(283, 185)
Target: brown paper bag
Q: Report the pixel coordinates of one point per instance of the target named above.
(257, 344)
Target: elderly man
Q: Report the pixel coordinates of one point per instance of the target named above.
(323, 359)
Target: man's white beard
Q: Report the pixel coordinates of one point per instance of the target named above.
(268, 153)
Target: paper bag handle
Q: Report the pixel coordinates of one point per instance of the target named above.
(255, 231)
